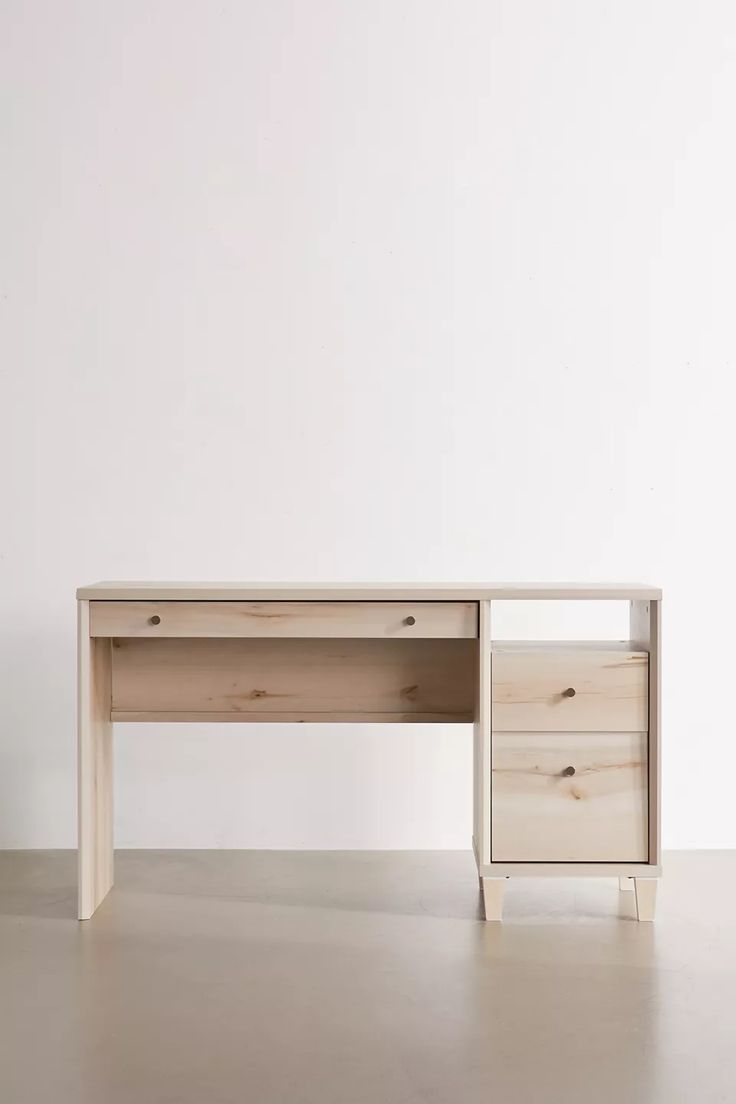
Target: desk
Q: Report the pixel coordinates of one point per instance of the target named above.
(566, 733)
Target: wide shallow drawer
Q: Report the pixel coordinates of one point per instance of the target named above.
(284, 619)
(569, 689)
(569, 797)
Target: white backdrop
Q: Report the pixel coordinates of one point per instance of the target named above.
(394, 289)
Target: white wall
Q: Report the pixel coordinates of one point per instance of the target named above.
(341, 289)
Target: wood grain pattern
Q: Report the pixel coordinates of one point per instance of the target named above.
(410, 620)
(95, 768)
(294, 679)
(610, 690)
(569, 797)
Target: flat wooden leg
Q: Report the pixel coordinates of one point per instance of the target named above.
(626, 884)
(94, 748)
(646, 896)
(493, 889)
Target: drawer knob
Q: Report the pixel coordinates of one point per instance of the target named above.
(569, 693)
(410, 620)
(155, 620)
(568, 772)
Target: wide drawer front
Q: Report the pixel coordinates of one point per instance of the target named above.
(284, 619)
(570, 690)
(569, 797)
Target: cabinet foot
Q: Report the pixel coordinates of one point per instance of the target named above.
(626, 884)
(493, 889)
(646, 896)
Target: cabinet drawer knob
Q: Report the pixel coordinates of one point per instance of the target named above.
(155, 620)
(410, 620)
(568, 772)
(569, 693)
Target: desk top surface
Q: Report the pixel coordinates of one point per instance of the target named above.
(357, 592)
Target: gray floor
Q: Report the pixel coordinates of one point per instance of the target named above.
(344, 978)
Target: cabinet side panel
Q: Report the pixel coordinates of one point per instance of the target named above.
(646, 632)
(482, 740)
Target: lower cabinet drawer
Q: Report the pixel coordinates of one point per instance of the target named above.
(601, 688)
(569, 797)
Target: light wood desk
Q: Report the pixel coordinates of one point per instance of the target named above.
(566, 744)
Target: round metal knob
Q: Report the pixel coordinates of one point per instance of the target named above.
(410, 620)
(569, 693)
(155, 620)
(568, 772)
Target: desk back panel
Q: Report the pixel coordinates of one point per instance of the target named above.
(347, 680)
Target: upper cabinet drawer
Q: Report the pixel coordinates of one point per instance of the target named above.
(569, 689)
(285, 619)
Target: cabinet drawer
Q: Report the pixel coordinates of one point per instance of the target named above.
(569, 797)
(284, 619)
(569, 689)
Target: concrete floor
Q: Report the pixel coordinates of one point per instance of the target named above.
(362, 978)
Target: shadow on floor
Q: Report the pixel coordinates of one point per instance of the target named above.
(42, 884)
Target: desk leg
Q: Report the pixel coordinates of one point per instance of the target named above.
(94, 758)
(493, 889)
(646, 896)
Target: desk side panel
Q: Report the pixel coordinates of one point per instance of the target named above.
(95, 767)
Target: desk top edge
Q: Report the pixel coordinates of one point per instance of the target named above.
(356, 592)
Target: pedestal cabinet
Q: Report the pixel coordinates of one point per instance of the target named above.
(567, 759)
